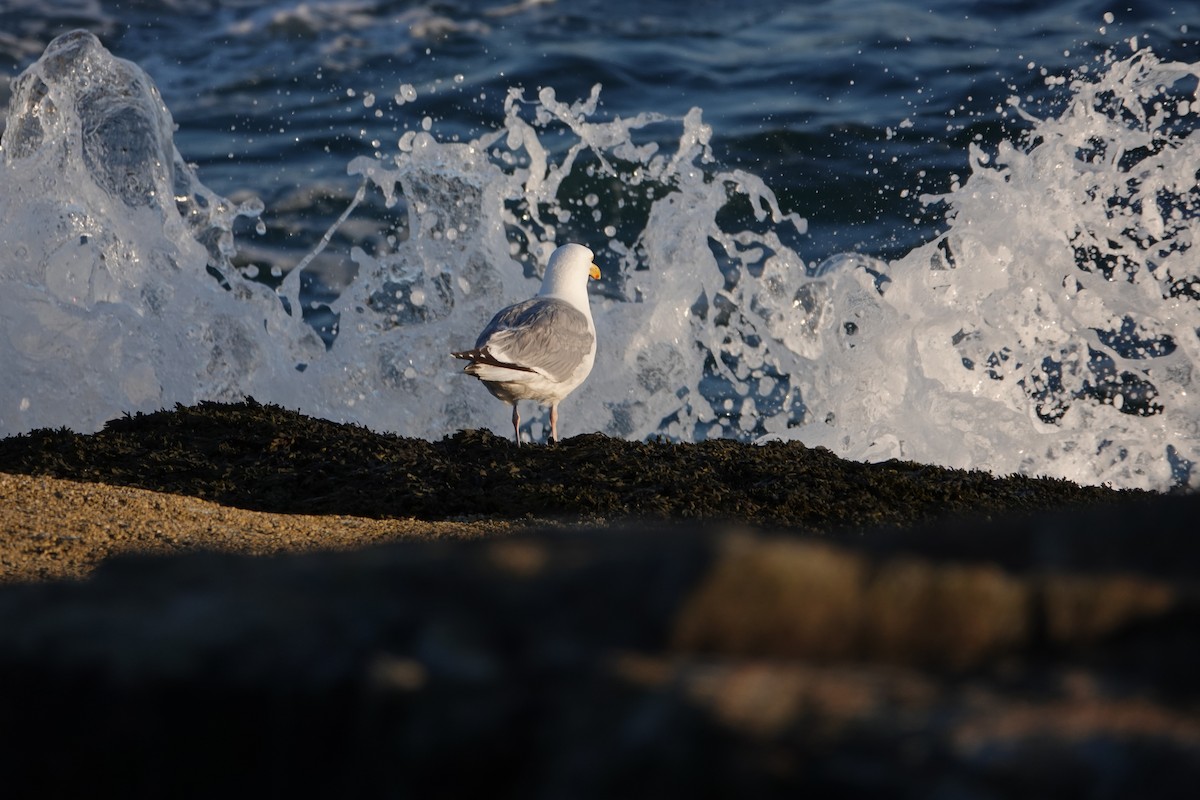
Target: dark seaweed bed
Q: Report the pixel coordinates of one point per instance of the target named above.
(267, 458)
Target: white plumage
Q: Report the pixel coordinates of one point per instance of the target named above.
(543, 348)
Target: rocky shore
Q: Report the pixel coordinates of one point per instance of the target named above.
(238, 598)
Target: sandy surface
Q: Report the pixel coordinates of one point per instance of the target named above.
(52, 528)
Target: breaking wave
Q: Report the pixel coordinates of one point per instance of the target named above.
(1052, 329)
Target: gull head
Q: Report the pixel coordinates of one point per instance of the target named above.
(567, 274)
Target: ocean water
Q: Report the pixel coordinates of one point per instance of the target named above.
(959, 233)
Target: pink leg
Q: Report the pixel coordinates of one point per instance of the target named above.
(516, 425)
(554, 421)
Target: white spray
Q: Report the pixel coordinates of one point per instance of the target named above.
(1050, 331)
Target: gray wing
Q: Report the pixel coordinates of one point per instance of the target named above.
(544, 333)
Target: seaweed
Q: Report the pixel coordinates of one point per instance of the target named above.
(267, 458)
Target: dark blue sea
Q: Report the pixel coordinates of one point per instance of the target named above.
(951, 232)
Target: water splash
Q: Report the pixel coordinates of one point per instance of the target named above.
(1051, 330)
(484, 215)
(118, 293)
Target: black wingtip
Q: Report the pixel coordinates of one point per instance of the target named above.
(484, 356)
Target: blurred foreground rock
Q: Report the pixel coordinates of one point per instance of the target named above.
(624, 663)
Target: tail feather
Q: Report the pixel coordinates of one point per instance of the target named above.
(481, 355)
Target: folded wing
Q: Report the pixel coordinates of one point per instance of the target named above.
(543, 335)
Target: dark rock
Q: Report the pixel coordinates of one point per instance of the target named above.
(594, 663)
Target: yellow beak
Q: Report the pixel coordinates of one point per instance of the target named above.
(594, 273)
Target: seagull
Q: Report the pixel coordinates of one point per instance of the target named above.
(542, 348)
